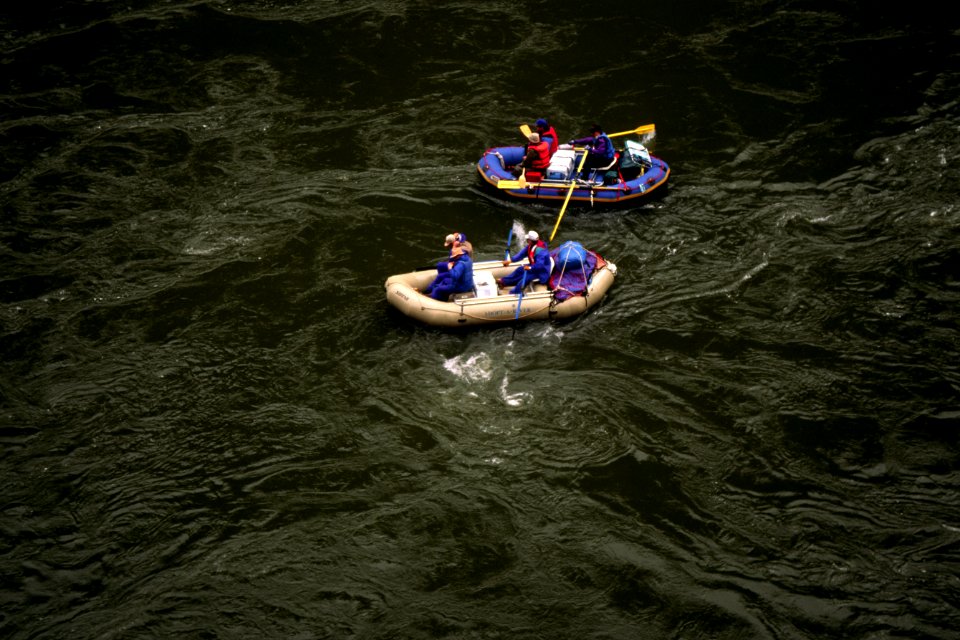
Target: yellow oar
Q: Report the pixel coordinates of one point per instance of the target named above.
(647, 128)
(519, 183)
(566, 200)
(511, 184)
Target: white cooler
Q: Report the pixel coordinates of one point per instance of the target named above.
(561, 164)
(485, 284)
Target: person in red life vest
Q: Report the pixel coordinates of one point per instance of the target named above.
(538, 254)
(535, 161)
(548, 134)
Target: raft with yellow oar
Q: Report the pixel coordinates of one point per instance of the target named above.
(578, 282)
(633, 175)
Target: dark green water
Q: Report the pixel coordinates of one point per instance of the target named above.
(213, 426)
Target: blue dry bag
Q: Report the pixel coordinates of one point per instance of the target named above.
(570, 256)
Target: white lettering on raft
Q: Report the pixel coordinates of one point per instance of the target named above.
(502, 312)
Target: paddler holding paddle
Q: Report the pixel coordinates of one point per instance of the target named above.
(538, 255)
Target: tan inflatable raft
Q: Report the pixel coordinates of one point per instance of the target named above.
(489, 304)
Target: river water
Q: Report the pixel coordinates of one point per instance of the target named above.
(213, 425)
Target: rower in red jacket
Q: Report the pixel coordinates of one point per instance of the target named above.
(548, 134)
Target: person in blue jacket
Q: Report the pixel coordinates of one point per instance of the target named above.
(458, 278)
(600, 150)
(538, 269)
(454, 240)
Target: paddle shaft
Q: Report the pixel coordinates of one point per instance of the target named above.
(523, 283)
(566, 200)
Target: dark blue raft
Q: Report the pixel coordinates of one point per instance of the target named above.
(634, 174)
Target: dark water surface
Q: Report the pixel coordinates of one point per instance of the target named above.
(213, 426)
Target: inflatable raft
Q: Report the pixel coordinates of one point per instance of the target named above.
(633, 175)
(571, 291)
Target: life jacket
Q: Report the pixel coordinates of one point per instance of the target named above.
(541, 263)
(554, 140)
(608, 155)
(542, 160)
(532, 250)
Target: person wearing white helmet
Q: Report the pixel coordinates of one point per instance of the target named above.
(538, 268)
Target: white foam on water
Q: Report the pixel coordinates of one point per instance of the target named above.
(513, 399)
(475, 368)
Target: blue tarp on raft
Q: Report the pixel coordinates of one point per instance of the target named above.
(573, 266)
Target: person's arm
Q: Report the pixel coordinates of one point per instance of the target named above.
(541, 262)
(516, 258)
(529, 158)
